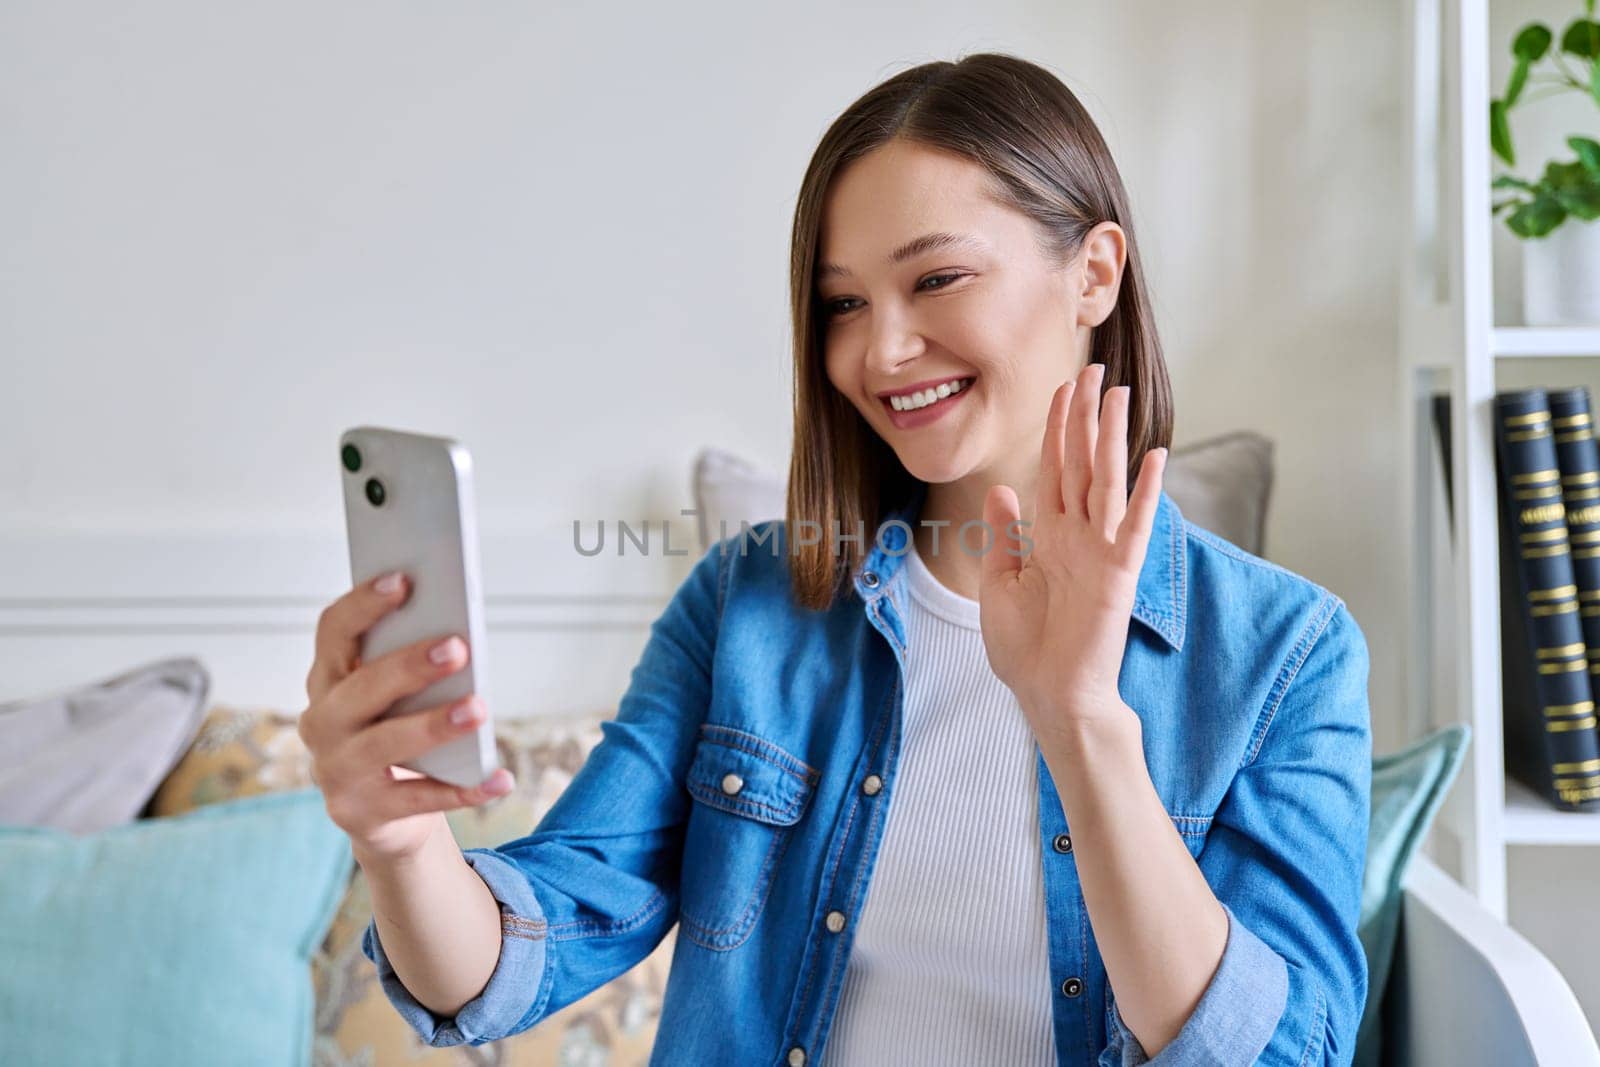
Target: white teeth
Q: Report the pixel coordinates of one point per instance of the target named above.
(912, 401)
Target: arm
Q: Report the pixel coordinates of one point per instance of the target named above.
(1245, 953)
(439, 922)
(594, 888)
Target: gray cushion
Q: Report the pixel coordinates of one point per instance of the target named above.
(1221, 484)
(88, 758)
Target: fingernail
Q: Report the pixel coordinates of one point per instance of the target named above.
(463, 713)
(389, 583)
(445, 651)
(498, 783)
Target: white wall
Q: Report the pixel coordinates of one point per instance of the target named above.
(560, 234)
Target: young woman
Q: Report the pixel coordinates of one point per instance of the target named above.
(979, 756)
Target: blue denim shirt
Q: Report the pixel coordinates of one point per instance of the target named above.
(741, 792)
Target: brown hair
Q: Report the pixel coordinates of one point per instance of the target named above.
(1030, 132)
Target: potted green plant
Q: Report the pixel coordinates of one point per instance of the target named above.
(1554, 214)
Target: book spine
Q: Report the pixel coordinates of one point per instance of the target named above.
(1578, 458)
(1552, 741)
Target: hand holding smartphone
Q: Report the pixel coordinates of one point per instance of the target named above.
(409, 507)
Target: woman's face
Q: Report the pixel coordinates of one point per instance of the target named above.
(925, 281)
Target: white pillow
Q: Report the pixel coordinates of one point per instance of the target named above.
(89, 758)
(729, 489)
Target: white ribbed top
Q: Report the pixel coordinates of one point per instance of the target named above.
(950, 962)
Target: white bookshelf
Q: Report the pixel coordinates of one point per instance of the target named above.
(1530, 821)
(1546, 341)
(1450, 341)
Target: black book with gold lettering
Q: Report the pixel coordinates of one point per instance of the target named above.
(1551, 738)
(1578, 457)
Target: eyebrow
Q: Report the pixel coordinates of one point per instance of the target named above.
(928, 242)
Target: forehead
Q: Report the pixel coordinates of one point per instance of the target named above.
(902, 190)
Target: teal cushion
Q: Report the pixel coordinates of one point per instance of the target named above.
(170, 940)
(1407, 788)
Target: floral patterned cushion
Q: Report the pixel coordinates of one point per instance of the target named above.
(240, 752)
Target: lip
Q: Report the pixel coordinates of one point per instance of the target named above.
(910, 420)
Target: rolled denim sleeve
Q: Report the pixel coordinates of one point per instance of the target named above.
(514, 985)
(1285, 855)
(1236, 1014)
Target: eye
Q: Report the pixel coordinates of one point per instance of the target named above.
(845, 304)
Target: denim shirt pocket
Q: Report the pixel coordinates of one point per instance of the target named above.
(748, 795)
(1193, 829)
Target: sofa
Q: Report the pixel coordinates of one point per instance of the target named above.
(243, 752)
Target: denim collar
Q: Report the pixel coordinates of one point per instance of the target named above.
(1160, 601)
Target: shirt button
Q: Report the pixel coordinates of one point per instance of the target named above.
(871, 785)
(797, 1057)
(1072, 987)
(732, 783)
(869, 579)
(1063, 843)
(835, 921)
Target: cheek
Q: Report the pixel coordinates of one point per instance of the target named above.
(979, 331)
(990, 320)
(841, 370)
(1016, 339)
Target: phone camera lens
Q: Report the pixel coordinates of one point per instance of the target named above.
(375, 492)
(352, 458)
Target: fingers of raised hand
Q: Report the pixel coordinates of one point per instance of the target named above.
(1108, 496)
(1047, 496)
(360, 809)
(366, 694)
(1083, 426)
(371, 759)
(339, 630)
(405, 737)
(1133, 535)
(429, 794)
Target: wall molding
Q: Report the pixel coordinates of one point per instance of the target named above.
(75, 606)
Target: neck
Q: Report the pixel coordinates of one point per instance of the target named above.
(957, 562)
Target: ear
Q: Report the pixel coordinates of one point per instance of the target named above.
(1099, 276)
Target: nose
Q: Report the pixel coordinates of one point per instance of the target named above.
(893, 342)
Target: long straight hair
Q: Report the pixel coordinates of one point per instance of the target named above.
(1029, 131)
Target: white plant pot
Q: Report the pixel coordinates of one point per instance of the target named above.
(1561, 275)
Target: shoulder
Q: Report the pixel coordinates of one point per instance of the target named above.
(1233, 591)
(752, 562)
(1216, 562)
(1283, 637)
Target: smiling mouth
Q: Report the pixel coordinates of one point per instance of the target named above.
(923, 398)
(923, 407)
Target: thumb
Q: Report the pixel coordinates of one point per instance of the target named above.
(1004, 558)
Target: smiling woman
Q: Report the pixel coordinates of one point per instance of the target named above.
(1094, 794)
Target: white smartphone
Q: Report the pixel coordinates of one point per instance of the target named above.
(408, 506)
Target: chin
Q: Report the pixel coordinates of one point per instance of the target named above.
(936, 470)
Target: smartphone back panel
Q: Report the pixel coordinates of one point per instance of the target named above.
(409, 506)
